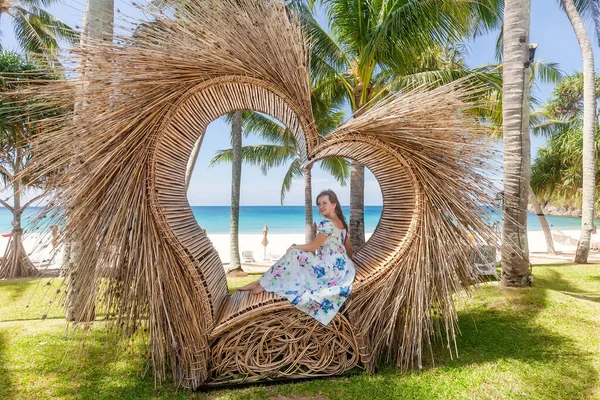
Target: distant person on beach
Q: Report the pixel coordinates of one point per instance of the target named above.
(316, 277)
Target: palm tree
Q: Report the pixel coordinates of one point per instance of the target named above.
(589, 121)
(371, 44)
(17, 130)
(36, 30)
(282, 149)
(236, 182)
(97, 26)
(515, 116)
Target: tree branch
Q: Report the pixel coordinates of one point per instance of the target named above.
(30, 202)
(5, 172)
(5, 204)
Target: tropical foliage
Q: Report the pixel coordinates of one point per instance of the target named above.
(36, 30)
(557, 171)
(374, 47)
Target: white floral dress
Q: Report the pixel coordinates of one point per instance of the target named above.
(316, 283)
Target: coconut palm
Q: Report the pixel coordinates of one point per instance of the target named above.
(97, 26)
(236, 183)
(17, 130)
(515, 116)
(36, 30)
(371, 43)
(591, 7)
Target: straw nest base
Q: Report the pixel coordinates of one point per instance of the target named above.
(283, 345)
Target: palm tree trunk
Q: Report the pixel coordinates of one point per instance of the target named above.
(357, 205)
(81, 280)
(543, 222)
(192, 162)
(357, 190)
(517, 157)
(589, 129)
(308, 208)
(236, 179)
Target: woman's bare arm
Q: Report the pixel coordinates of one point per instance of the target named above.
(348, 246)
(312, 246)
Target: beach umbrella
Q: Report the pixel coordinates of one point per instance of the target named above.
(265, 241)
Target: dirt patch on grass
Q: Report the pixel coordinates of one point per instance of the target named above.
(236, 273)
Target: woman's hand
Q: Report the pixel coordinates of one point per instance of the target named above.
(293, 246)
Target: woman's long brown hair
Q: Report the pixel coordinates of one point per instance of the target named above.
(338, 207)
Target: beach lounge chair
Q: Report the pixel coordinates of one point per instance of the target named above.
(485, 262)
(247, 256)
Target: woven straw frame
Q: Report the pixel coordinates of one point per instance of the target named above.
(121, 195)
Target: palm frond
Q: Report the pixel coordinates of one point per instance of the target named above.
(268, 129)
(264, 156)
(293, 172)
(338, 167)
(547, 72)
(546, 125)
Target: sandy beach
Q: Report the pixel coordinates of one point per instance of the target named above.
(565, 243)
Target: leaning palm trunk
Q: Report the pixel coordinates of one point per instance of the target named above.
(193, 159)
(589, 128)
(517, 168)
(309, 233)
(97, 27)
(543, 221)
(236, 178)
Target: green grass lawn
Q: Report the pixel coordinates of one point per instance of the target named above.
(536, 343)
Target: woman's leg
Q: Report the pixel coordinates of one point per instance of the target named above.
(258, 288)
(255, 287)
(248, 287)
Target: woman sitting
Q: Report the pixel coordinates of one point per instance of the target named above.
(316, 277)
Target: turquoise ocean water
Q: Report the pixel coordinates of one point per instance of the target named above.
(288, 219)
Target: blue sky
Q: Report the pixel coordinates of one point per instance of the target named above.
(550, 28)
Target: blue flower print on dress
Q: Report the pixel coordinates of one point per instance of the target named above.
(319, 271)
(345, 291)
(340, 264)
(326, 305)
(317, 283)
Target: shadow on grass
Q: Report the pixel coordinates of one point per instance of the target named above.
(5, 379)
(63, 367)
(500, 353)
(16, 289)
(554, 280)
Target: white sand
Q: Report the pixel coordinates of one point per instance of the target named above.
(277, 246)
(564, 242)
